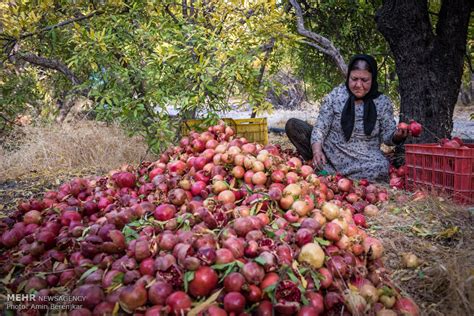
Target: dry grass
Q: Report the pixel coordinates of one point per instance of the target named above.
(440, 233)
(75, 146)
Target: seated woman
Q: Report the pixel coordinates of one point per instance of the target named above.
(354, 119)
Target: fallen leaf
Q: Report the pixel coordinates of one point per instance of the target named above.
(201, 307)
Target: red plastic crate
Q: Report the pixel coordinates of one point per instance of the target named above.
(446, 170)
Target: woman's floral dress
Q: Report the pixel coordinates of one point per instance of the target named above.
(360, 157)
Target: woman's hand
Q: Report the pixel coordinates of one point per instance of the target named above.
(400, 135)
(319, 159)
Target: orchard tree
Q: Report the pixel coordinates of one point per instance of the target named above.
(141, 62)
(429, 50)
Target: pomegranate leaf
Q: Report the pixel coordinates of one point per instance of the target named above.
(269, 233)
(228, 267)
(188, 277)
(321, 241)
(88, 272)
(22, 285)
(202, 306)
(270, 290)
(55, 265)
(85, 232)
(303, 270)
(222, 266)
(316, 276)
(116, 308)
(387, 291)
(260, 261)
(249, 191)
(7, 279)
(118, 279)
(129, 233)
(303, 298)
(183, 221)
(282, 236)
(135, 223)
(293, 277)
(253, 209)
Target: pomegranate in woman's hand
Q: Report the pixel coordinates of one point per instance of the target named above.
(415, 128)
(403, 126)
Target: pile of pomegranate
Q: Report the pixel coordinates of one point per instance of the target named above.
(397, 176)
(216, 226)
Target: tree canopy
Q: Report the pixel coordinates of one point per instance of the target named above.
(150, 64)
(139, 59)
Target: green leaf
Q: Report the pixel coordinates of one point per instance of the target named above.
(84, 233)
(303, 298)
(316, 279)
(118, 279)
(129, 233)
(136, 223)
(269, 233)
(88, 272)
(229, 270)
(321, 241)
(188, 277)
(303, 270)
(388, 291)
(260, 261)
(293, 277)
(222, 266)
(270, 290)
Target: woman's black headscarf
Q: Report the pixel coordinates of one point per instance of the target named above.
(370, 112)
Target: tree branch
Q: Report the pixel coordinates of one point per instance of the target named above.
(6, 119)
(268, 47)
(50, 64)
(48, 28)
(167, 9)
(184, 5)
(192, 14)
(321, 43)
(325, 51)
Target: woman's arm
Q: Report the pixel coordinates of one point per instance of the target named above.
(324, 120)
(390, 135)
(321, 130)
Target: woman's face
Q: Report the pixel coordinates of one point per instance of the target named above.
(360, 82)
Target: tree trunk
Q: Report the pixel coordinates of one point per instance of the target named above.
(429, 62)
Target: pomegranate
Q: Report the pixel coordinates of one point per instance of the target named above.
(415, 128)
(204, 281)
(179, 303)
(234, 302)
(234, 282)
